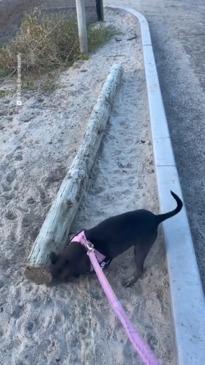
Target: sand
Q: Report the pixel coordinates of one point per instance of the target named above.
(72, 323)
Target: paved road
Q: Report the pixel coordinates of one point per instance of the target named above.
(178, 34)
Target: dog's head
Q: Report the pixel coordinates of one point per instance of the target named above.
(72, 261)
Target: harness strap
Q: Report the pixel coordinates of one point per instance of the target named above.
(81, 238)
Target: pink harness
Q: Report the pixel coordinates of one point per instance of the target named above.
(96, 259)
(81, 238)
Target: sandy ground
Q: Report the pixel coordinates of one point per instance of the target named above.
(72, 323)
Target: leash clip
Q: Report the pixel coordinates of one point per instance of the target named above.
(90, 246)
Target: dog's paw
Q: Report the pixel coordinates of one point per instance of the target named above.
(132, 279)
(129, 281)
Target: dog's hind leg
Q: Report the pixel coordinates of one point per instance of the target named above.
(140, 252)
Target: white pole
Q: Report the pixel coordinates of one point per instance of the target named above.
(82, 28)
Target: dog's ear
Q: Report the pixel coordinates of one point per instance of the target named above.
(53, 257)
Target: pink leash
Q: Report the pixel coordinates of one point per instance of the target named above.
(138, 343)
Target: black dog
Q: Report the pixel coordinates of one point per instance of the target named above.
(112, 237)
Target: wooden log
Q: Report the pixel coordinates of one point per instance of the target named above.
(55, 229)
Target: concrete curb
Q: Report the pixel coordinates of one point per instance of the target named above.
(58, 221)
(188, 304)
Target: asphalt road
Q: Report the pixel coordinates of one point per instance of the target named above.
(178, 35)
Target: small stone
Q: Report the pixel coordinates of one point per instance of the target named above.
(29, 326)
(10, 215)
(95, 295)
(11, 176)
(17, 311)
(40, 100)
(152, 341)
(26, 221)
(19, 157)
(30, 200)
(42, 195)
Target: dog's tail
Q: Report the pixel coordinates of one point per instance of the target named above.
(162, 217)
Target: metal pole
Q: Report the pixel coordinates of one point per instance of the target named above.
(100, 10)
(82, 28)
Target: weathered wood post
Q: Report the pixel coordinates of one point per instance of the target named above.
(82, 27)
